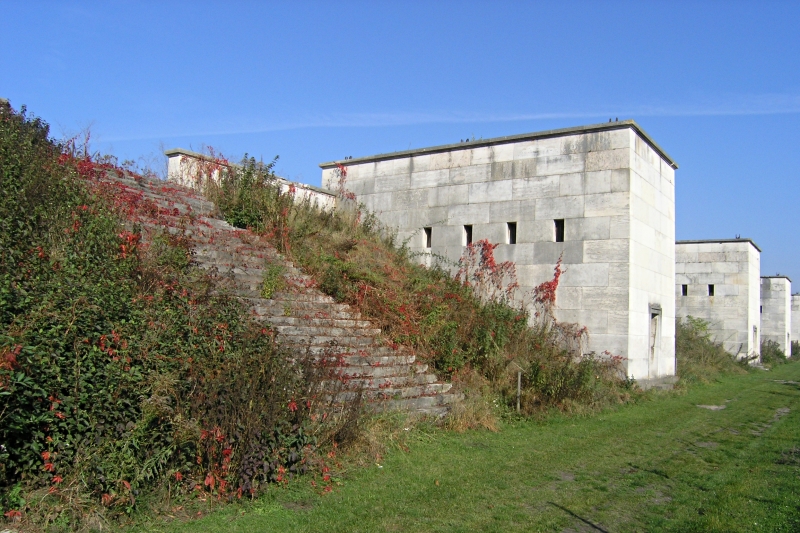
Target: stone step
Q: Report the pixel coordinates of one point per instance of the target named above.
(168, 196)
(323, 331)
(320, 322)
(392, 393)
(285, 309)
(390, 383)
(385, 371)
(315, 296)
(324, 341)
(162, 193)
(377, 357)
(210, 252)
(303, 306)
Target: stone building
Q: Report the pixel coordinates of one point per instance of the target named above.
(776, 311)
(601, 197)
(720, 282)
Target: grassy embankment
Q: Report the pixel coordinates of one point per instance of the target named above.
(666, 465)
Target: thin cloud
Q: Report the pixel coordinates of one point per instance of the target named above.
(767, 104)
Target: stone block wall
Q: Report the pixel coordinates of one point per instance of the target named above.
(600, 197)
(720, 282)
(776, 311)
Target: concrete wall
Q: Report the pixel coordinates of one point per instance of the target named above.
(733, 267)
(776, 311)
(612, 186)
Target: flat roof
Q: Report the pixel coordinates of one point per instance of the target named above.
(744, 239)
(594, 128)
(777, 276)
(184, 151)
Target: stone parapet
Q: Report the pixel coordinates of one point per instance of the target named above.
(191, 169)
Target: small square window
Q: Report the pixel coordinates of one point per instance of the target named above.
(511, 233)
(684, 290)
(467, 237)
(427, 236)
(711, 290)
(559, 229)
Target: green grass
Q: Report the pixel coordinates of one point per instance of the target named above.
(661, 465)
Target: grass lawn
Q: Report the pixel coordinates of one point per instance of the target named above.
(661, 465)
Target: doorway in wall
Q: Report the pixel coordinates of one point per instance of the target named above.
(654, 335)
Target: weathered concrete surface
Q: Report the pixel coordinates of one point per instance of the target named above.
(613, 187)
(733, 268)
(776, 311)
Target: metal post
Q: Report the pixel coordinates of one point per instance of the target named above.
(519, 387)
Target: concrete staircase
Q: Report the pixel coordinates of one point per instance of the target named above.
(304, 320)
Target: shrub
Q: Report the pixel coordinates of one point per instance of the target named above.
(699, 358)
(772, 354)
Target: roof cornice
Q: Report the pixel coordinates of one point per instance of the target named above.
(721, 241)
(594, 128)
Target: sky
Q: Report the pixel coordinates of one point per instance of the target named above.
(716, 84)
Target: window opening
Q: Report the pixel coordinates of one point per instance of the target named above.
(559, 228)
(711, 290)
(755, 338)
(467, 238)
(511, 233)
(684, 290)
(427, 236)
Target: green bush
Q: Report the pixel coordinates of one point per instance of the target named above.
(772, 354)
(699, 358)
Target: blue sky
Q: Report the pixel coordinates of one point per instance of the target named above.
(716, 84)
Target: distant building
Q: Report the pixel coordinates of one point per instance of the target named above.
(602, 197)
(776, 311)
(720, 282)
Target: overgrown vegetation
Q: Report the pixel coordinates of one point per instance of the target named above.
(699, 358)
(123, 370)
(473, 329)
(772, 354)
